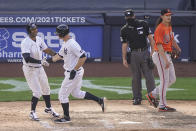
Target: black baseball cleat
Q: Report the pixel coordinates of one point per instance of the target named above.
(153, 101)
(137, 102)
(167, 109)
(102, 104)
(63, 120)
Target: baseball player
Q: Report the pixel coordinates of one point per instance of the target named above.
(164, 41)
(74, 57)
(32, 48)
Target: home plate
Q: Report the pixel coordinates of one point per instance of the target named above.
(130, 122)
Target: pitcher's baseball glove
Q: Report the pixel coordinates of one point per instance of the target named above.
(175, 54)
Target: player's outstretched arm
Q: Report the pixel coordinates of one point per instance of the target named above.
(54, 58)
(50, 52)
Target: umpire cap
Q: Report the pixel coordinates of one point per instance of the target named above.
(62, 30)
(30, 26)
(129, 12)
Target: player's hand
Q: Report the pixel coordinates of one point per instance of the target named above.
(125, 63)
(72, 75)
(44, 62)
(167, 64)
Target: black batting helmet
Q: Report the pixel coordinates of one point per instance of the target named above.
(62, 30)
(30, 26)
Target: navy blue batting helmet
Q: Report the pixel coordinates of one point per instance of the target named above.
(30, 26)
(62, 30)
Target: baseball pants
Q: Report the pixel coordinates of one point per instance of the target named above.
(71, 87)
(37, 80)
(167, 77)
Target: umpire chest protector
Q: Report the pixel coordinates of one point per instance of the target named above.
(135, 35)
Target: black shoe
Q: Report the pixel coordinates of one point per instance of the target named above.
(63, 120)
(102, 104)
(167, 109)
(137, 102)
(152, 100)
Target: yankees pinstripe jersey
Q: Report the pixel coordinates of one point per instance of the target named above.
(70, 52)
(35, 48)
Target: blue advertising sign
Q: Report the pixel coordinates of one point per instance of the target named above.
(89, 38)
(95, 19)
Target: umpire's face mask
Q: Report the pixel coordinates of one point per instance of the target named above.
(131, 21)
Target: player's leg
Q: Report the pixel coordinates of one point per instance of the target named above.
(136, 78)
(78, 93)
(64, 92)
(31, 75)
(164, 80)
(155, 59)
(172, 74)
(45, 88)
(163, 75)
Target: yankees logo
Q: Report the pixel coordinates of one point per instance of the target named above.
(65, 51)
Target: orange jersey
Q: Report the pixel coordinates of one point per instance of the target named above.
(163, 35)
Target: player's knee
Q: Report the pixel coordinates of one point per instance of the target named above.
(79, 94)
(172, 80)
(37, 94)
(63, 99)
(46, 92)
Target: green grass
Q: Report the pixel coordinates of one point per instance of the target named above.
(189, 84)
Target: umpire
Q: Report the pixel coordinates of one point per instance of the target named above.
(134, 34)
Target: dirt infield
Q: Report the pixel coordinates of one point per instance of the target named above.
(86, 115)
(111, 69)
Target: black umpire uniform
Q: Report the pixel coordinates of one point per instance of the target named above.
(134, 34)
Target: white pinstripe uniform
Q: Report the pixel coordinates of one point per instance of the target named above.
(34, 73)
(71, 52)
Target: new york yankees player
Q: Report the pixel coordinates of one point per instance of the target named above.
(32, 48)
(74, 57)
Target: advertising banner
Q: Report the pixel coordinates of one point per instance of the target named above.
(95, 19)
(89, 37)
